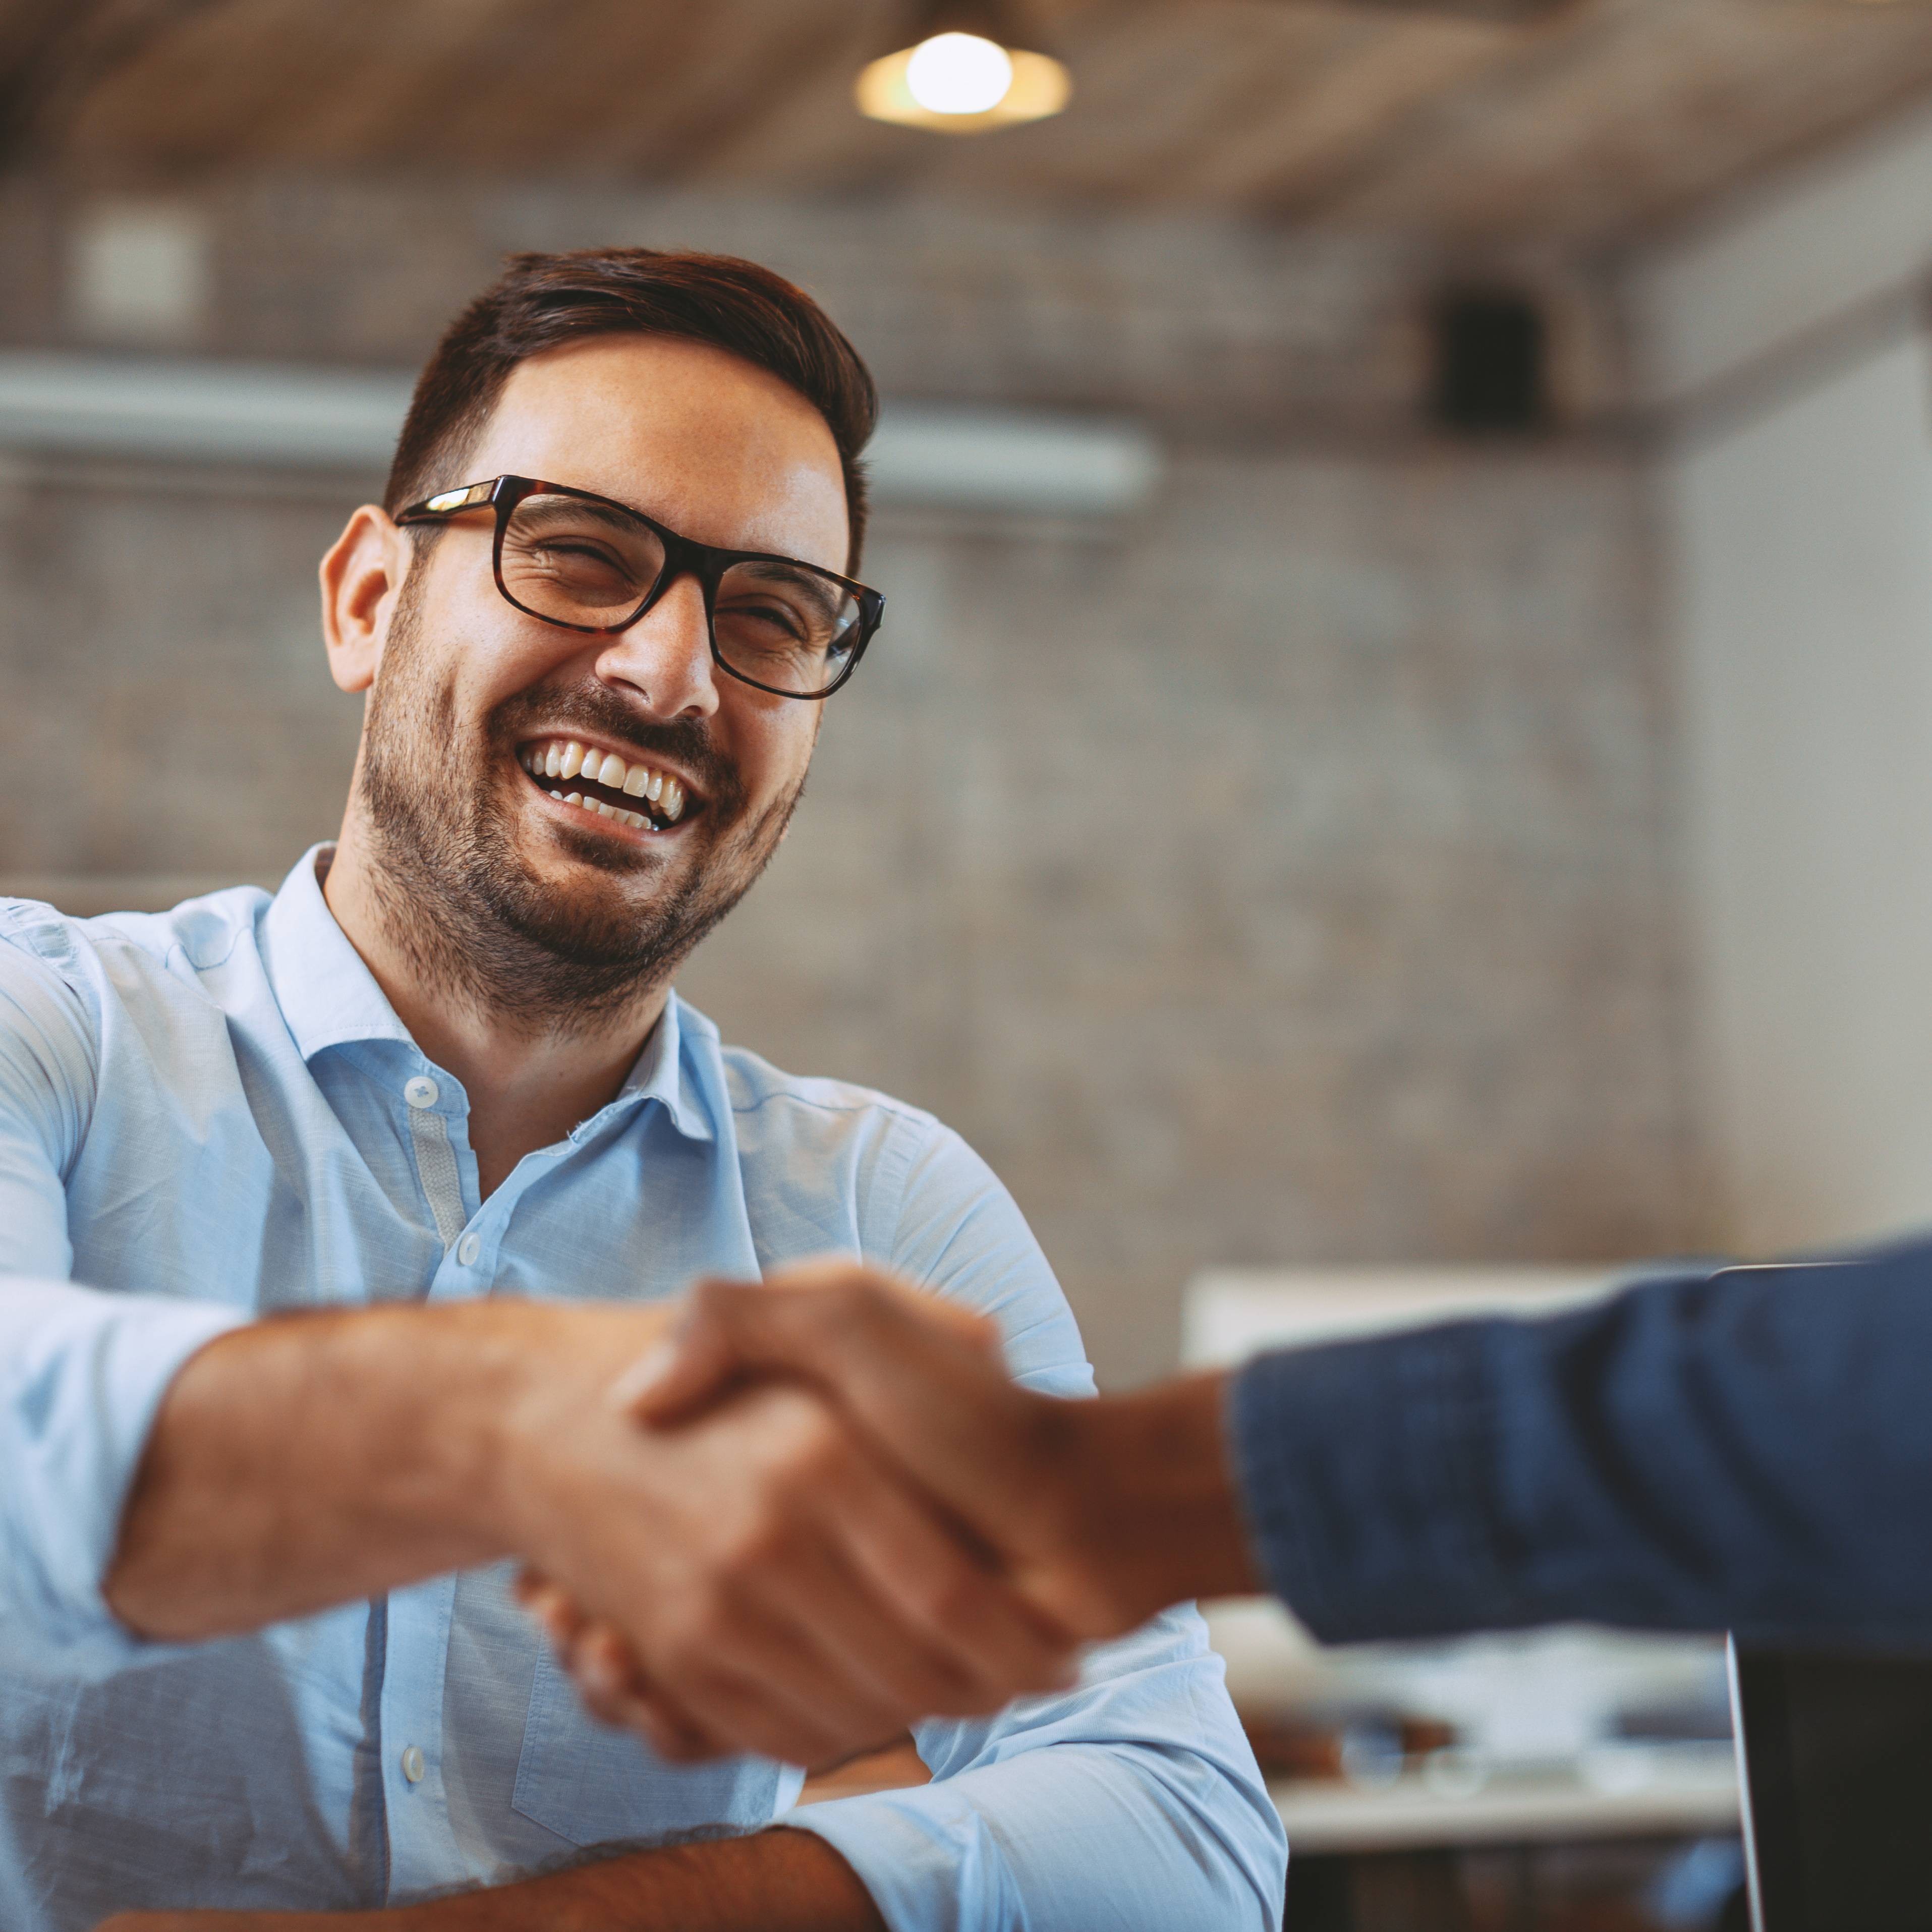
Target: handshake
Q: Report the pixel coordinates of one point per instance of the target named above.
(845, 1517)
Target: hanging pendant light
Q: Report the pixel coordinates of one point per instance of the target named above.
(961, 75)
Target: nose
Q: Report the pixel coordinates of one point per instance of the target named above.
(665, 656)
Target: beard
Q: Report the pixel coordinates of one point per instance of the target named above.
(459, 900)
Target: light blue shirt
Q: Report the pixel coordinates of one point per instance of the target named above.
(212, 1113)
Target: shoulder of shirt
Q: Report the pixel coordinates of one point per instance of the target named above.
(202, 932)
(754, 1083)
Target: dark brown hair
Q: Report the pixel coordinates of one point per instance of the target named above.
(542, 301)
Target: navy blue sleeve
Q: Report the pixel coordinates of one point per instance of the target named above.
(1750, 1449)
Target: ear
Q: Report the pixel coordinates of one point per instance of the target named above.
(362, 578)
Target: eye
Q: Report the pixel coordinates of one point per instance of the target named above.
(767, 613)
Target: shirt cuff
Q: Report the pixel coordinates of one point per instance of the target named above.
(1363, 1469)
(81, 1374)
(925, 1854)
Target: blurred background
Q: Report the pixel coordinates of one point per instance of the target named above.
(1403, 734)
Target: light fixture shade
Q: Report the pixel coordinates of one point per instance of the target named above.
(1040, 87)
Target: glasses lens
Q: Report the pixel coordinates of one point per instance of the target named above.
(577, 562)
(784, 625)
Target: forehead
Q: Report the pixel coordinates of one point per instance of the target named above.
(716, 447)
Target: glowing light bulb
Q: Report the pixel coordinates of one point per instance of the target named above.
(958, 73)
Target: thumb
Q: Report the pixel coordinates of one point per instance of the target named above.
(695, 1363)
(923, 1380)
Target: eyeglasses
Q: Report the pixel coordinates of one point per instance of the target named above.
(586, 563)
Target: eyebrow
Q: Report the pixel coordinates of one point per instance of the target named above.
(804, 576)
(613, 514)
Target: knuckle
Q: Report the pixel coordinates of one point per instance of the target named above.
(692, 1633)
(849, 1304)
(952, 1599)
(755, 1552)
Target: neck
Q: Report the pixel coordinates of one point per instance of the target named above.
(529, 1078)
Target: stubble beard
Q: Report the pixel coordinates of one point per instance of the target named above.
(457, 900)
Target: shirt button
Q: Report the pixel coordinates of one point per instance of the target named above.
(467, 1250)
(420, 1092)
(412, 1763)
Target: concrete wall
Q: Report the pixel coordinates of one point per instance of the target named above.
(1788, 340)
(1284, 874)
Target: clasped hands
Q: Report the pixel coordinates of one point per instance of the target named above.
(873, 1525)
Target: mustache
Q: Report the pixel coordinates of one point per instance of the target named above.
(595, 709)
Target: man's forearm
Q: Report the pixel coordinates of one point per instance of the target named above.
(309, 1460)
(776, 1881)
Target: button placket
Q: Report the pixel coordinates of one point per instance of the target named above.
(436, 1159)
(423, 1850)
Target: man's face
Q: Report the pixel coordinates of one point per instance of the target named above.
(472, 697)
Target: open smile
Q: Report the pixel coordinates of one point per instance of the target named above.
(601, 785)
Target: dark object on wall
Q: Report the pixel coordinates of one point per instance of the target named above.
(1491, 349)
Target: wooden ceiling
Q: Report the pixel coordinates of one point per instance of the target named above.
(1583, 123)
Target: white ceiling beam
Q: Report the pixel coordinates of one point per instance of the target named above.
(927, 453)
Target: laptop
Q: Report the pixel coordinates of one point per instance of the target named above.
(1835, 1755)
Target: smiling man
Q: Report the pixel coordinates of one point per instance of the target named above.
(334, 1225)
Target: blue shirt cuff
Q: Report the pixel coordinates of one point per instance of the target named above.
(82, 1375)
(1362, 1467)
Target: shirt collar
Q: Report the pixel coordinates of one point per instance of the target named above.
(327, 995)
(329, 998)
(682, 1049)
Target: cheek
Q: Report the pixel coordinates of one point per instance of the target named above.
(776, 750)
(485, 654)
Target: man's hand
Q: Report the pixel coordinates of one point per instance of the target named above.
(1100, 1512)
(779, 1590)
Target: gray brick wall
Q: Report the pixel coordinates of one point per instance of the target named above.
(1286, 875)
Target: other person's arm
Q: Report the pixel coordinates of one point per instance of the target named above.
(1750, 1449)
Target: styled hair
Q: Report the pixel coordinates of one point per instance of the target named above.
(543, 302)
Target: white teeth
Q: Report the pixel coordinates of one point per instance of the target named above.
(572, 760)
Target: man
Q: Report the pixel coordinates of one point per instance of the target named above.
(435, 1108)
(1749, 1449)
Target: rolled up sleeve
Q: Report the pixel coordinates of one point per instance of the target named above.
(1132, 1801)
(81, 1371)
(81, 1374)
